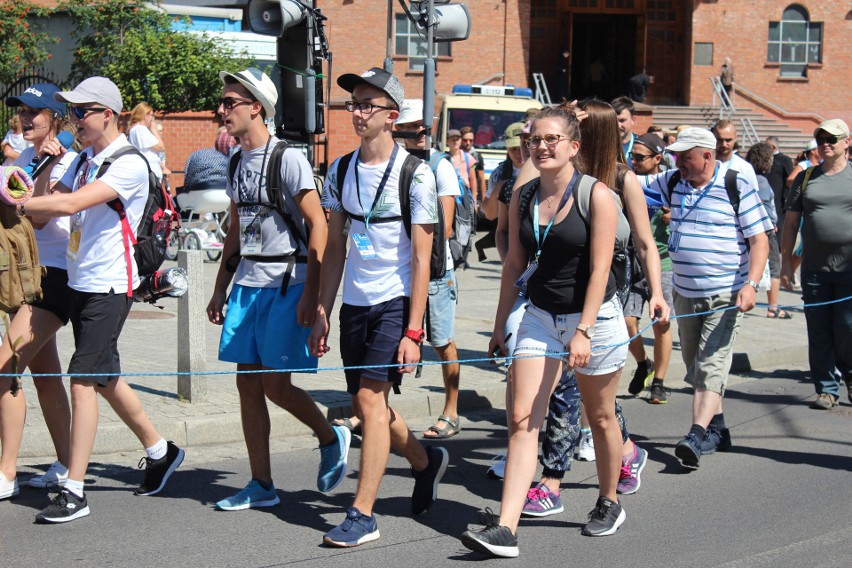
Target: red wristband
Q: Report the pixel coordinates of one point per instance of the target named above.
(415, 335)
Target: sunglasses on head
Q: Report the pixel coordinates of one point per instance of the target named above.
(82, 112)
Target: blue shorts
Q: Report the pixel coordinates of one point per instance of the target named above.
(370, 335)
(261, 327)
(441, 310)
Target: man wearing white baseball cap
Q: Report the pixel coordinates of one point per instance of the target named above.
(272, 252)
(102, 277)
(821, 195)
(711, 257)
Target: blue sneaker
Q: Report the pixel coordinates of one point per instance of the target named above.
(356, 529)
(332, 468)
(716, 440)
(688, 451)
(252, 496)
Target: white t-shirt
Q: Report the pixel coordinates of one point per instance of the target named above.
(99, 265)
(740, 165)
(711, 257)
(448, 186)
(52, 239)
(368, 282)
(269, 235)
(17, 142)
(143, 140)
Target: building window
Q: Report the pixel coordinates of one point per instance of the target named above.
(410, 43)
(794, 42)
(703, 53)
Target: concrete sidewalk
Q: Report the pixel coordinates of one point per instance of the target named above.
(149, 344)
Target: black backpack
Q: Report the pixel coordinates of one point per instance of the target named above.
(730, 189)
(438, 260)
(464, 219)
(274, 192)
(155, 227)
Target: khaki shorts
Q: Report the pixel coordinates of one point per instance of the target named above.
(707, 341)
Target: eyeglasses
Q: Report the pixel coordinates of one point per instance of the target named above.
(832, 140)
(363, 108)
(639, 157)
(82, 112)
(550, 140)
(28, 111)
(228, 103)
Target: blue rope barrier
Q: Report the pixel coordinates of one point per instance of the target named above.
(507, 358)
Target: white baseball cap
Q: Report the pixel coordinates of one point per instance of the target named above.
(692, 137)
(259, 85)
(410, 111)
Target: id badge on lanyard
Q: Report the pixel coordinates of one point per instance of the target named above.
(251, 237)
(365, 247)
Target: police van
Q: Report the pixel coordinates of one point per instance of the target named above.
(489, 110)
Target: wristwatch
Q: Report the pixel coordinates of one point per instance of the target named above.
(415, 335)
(587, 330)
(753, 284)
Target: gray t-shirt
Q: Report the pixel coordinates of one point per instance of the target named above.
(826, 206)
(263, 231)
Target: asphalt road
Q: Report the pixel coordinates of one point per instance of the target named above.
(782, 497)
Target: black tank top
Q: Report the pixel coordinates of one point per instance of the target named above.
(560, 282)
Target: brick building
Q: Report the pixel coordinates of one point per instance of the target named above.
(791, 58)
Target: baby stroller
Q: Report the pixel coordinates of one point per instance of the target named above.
(204, 222)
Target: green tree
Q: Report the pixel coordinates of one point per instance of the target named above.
(135, 46)
(24, 43)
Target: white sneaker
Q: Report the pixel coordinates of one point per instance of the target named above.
(8, 488)
(55, 476)
(585, 450)
(498, 467)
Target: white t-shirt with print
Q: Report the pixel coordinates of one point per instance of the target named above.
(448, 186)
(52, 239)
(143, 140)
(269, 233)
(368, 282)
(100, 265)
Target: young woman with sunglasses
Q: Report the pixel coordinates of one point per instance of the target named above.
(573, 309)
(35, 325)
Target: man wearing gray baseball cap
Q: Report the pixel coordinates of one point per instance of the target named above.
(717, 265)
(102, 275)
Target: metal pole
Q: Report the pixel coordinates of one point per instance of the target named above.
(389, 45)
(429, 76)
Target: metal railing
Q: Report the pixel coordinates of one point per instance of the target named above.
(728, 111)
(541, 92)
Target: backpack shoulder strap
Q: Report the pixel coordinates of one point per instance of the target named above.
(583, 196)
(807, 178)
(275, 193)
(342, 168)
(233, 164)
(436, 158)
(674, 179)
(732, 190)
(525, 196)
(406, 177)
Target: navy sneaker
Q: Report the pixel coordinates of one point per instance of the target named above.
(493, 540)
(688, 451)
(426, 482)
(332, 468)
(715, 440)
(356, 529)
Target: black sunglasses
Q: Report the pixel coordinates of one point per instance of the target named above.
(228, 103)
(639, 157)
(82, 112)
(828, 140)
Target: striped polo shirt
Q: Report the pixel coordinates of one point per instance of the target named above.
(707, 243)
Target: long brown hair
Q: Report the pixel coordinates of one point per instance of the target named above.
(601, 148)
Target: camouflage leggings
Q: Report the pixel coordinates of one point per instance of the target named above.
(563, 427)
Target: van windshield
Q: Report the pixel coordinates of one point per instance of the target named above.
(488, 126)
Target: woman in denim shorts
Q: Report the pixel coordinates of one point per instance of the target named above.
(565, 264)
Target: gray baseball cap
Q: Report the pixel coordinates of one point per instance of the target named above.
(378, 78)
(98, 90)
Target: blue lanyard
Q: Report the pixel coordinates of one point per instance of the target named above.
(381, 184)
(562, 202)
(703, 194)
(629, 148)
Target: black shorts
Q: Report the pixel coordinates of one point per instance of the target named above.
(56, 295)
(774, 259)
(370, 335)
(97, 319)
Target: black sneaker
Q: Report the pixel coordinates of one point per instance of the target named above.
(493, 540)
(426, 481)
(688, 451)
(157, 472)
(644, 371)
(65, 507)
(605, 518)
(715, 440)
(658, 393)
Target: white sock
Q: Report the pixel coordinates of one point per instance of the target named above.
(158, 450)
(75, 487)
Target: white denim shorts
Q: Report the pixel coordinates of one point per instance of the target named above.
(542, 332)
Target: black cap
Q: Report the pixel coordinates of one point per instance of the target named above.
(378, 78)
(652, 142)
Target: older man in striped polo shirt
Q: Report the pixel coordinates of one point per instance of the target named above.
(718, 249)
